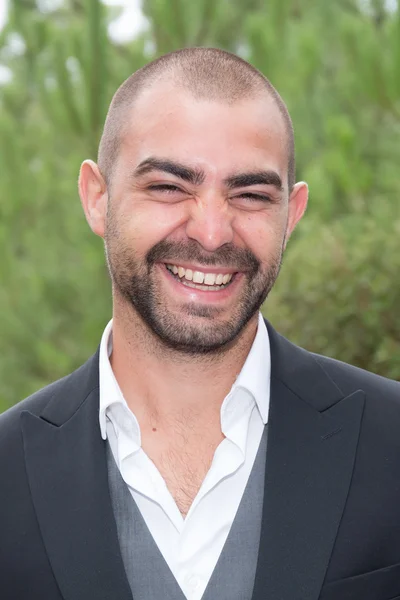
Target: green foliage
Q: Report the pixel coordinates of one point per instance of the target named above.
(337, 67)
(338, 292)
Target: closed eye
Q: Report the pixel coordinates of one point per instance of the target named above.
(255, 197)
(169, 188)
(164, 187)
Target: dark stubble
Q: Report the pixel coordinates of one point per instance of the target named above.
(134, 279)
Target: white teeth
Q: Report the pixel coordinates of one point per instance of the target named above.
(209, 279)
(198, 277)
(205, 288)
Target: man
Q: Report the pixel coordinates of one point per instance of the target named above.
(198, 454)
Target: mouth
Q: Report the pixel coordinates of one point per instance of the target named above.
(205, 281)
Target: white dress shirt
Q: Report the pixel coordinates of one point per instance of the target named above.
(191, 546)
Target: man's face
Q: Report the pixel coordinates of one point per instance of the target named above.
(198, 215)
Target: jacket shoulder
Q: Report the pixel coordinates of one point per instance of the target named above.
(350, 378)
(299, 369)
(381, 419)
(382, 395)
(37, 402)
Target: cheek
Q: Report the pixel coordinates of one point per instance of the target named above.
(263, 234)
(148, 223)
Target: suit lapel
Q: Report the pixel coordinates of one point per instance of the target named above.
(312, 440)
(67, 472)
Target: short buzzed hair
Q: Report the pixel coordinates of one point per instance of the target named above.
(206, 73)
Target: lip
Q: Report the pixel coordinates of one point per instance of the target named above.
(213, 297)
(202, 268)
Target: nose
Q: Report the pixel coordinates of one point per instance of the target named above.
(210, 222)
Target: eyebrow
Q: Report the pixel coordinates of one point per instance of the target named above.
(197, 176)
(189, 174)
(256, 178)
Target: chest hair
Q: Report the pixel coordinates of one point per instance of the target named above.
(183, 461)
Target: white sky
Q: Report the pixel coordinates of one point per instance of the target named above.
(129, 24)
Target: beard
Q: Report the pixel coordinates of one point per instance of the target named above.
(201, 333)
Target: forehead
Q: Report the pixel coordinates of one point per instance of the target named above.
(219, 137)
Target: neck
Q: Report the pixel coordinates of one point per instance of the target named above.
(160, 384)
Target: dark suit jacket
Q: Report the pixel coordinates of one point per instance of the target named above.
(331, 519)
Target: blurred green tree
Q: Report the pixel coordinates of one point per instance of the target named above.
(336, 64)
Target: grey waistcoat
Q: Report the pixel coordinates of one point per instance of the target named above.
(148, 574)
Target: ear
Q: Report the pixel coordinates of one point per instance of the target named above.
(94, 196)
(297, 207)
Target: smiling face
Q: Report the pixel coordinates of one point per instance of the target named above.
(197, 216)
